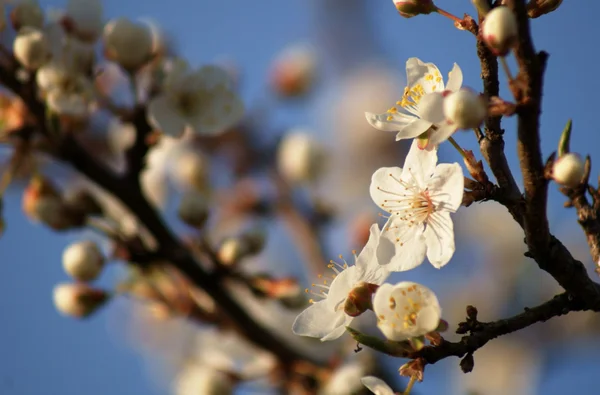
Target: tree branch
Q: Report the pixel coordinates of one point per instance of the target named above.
(483, 332)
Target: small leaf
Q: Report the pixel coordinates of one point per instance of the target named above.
(565, 139)
(396, 349)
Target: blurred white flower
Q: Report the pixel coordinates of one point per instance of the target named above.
(325, 318)
(27, 13)
(201, 100)
(377, 385)
(66, 93)
(419, 199)
(128, 43)
(86, 19)
(191, 169)
(202, 380)
(406, 310)
(154, 185)
(346, 379)
(31, 48)
(300, 157)
(421, 106)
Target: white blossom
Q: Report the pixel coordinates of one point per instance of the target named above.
(128, 43)
(377, 385)
(201, 100)
(86, 18)
(299, 157)
(421, 108)
(31, 48)
(66, 92)
(325, 317)
(419, 199)
(346, 379)
(198, 379)
(406, 310)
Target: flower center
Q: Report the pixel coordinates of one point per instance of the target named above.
(411, 204)
(404, 310)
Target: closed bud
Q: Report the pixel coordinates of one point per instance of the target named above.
(293, 72)
(467, 363)
(360, 299)
(568, 170)
(31, 48)
(500, 31)
(127, 43)
(235, 248)
(193, 209)
(465, 109)
(83, 261)
(300, 158)
(43, 203)
(192, 171)
(27, 13)
(78, 300)
(81, 201)
(537, 8)
(410, 8)
(84, 19)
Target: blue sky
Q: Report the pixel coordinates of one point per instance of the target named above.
(41, 352)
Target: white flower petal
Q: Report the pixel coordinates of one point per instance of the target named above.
(66, 103)
(317, 321)
(163, 116)
(213, 77)
(341, 286)
(419, 164)
(443, 132)
(380, 121)
(439, 236)
(446, 186)
(367, 264)
(428, 318)
(413, 129)
(455, 79)
(407, 241)
(376, 385)
(383, 181)
(223, 110)
(431, 107)
(340, 328)
(425, 74)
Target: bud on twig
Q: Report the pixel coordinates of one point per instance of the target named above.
(410, 8)
(78, 300)
(83, 260)
(537, 8)
(465, 109)
(127, 43)
(193, 209)
(568, 170)
(475, 167)
(499, 30)
(233, 249)
(467, 363)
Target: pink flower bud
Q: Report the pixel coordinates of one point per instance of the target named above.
(568, 170)
(410, 8)
(78, 300)
(499, 30)
(293, 71)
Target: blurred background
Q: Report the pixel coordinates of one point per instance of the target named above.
(359, 48)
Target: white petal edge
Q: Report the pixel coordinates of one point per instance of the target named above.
(164, 117)
(376, 385)
(317, 321)
(420, 164)
(380, 121)
(455, 79)
(446, 186)
(408, 255)
(439, 236)
(415, 128)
